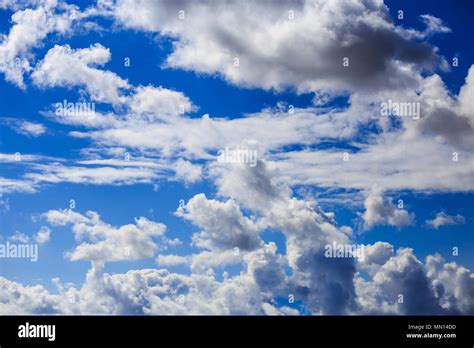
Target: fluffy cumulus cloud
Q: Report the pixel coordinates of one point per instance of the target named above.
(375, 256)
(17, 299)
(402, 284)
(138, 107)
(223, 224)
(159, 103)
(398, 283)
(453, 283)
(30, 27)
(301, 44)
(446, 118)
(324, 284)
(145, 291)
(64, 66)
(379, 210)
(102, 242)
(265, 265)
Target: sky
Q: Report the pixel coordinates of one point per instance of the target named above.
(183, 157)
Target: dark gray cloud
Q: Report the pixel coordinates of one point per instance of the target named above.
(299, 44)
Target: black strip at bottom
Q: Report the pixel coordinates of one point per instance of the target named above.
(133, 331)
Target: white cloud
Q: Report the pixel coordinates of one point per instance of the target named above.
(105, 175)
(93, 118)
(400, 286)
(159, 103)
(275, 50)
(103, 242)
(27, 128)
(12, 185)
(453, 283)
(4, 202)
(443, 288)
(43, 235)
(206, 261)
(403, 285)
(64, 66)
(124, 168)
(67, 67)
(379, 210)
(375, 256)
(33, 299)
(64, 217)
(196, 137)
(171, 260)
(8, 4)
(445, 118)
(145, 291)
(443, 219)
(324, 284)
(466, 96)
(434, 25)
(266, 266)
(31, 129)
(30, 27)
(224, 227)
(150, 123)
(19, 237)
(438, 146)
(187, 171)
(443, 129)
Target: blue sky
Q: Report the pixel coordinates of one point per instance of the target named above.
(264, 87)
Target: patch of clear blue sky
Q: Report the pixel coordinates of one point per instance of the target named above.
(214, 96)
